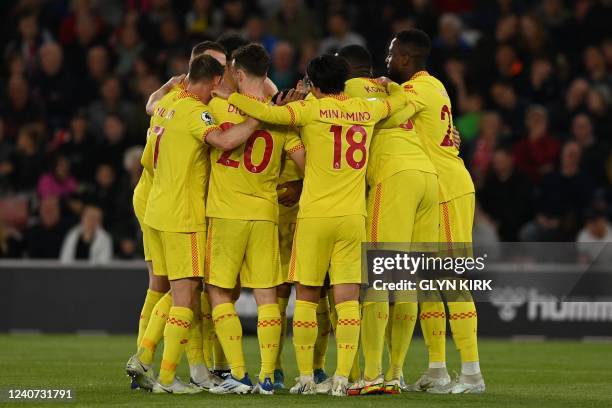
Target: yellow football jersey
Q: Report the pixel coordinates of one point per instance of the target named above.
(336, 131)
(433, 122)
(395, 146)
(243, 181)
(176, 201)
(142, 189)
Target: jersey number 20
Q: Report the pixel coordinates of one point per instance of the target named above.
(225, 159)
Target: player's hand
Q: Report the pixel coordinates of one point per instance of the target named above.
(383, 80)
(456, 138)
(285, 97)
(291, 194)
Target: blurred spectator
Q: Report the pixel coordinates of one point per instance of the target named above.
(22, 109)
(27, 160)
(340, 34)
(98, 69)
(533, 35)
(104, 193)
(55, 86)
(128, 50)
(598, 103)
(234, 15)
(44, 238)
(255, 31)
(594, 151)
(58, 182)
(536, 153)
(542, 87)
(506, 195)
(202, 21)
(448, 43)
(114, 144)
(81, 14)
(567, 191)
(294, 23)
(573, 103)
(78, 50)
(484, 146)
(509, 105)
(282, 71)
(29, 39)
(594, 237)
(595, 64)
(110, 102)
(88, 241)
(79, 147)
(596, 229)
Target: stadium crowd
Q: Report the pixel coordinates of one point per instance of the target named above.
(530, 81)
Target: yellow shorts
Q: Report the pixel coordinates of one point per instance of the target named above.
(404, 208)
(327, 244)
(146, 238)
(245, 249)
(457, 219)
(177, 255)
(286, 228)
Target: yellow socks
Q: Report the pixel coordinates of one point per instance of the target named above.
(269, 334)
(229, 332)
(464, 325)
(304, 335)
(155, 330)
(208, 330)
(433, 325)
(324, 328)
(282, 305)
(347, 335)
(193, 350)
(176, 336)
(373, 327)
(149, 303)
(219, 360)
(402, 323)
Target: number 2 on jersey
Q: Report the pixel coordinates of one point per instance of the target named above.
(445, 114)
(354, 146)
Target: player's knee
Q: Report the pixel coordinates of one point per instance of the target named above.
(159, 283)
(265, 296)
(345, 292)
(307, 293)
(218, 295)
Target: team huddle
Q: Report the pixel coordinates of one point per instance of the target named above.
(247, 187)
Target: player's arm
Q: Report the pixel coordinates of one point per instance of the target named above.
(147, 154)
(292, 114)
(233, 137)
(165, 88)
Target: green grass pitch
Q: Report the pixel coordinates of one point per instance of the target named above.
(518, 374)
